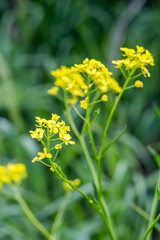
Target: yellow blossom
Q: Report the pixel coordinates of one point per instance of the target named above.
(75, 79)
(65, 138)
(42, 155)
(53, 91)
(58, 146)
(55, 117)
(17, 172)
(41, 121)
(38, 134)
(139, 84)
(84, 103)
(139, 58)
(104, 98)
(53, 130)
(12, 173)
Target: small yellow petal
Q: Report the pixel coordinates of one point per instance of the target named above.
(104, 98)
(58, 146)
(53, 91)
(139, 84)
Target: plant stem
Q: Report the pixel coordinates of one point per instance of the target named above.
(112, 112)
(106, 215)
(58, 217)
(89, 127)
(83, 144)
(30, 215)
(154, 208)
(108, 226)
(151, 227)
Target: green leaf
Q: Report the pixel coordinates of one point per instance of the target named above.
(114, 140)
(158, 193)
(155, 155)
(157, 110)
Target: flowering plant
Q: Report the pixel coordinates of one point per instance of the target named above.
(86, 85)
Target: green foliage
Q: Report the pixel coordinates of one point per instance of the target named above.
(39, 36)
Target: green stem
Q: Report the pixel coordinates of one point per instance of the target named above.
(108, 226)
(143, 214)
(112, 112)
(30, 215)
(78, 113)
(58, 217)
(154, 208)
(151, 227)
(97, 95)
(106, 215)
(89, 127)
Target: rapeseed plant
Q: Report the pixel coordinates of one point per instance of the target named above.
(86, 84)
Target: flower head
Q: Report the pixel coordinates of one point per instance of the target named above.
(84, 103)
(12, 173)
(139, 84)
(139, 58)
(52, 133)
(42, 155)
(38, 134)
(80, 78)
(104, 98)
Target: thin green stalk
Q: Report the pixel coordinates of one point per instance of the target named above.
(154, 208)
(97, 95)
(94, 175)
(30, 215)
(89, 161)
(111, 233)
(151, 227)
(89, 127)
(78, 113)
(58, 218)
(106, 214)
(112, 112)
(123, 73)
(64, 178)
(138, 75)
(114, 140)
(132, 86)
(83, 144)
(143, 214)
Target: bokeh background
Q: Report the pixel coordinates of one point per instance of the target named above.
(39, 36)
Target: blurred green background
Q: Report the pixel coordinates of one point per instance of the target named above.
(39, 36)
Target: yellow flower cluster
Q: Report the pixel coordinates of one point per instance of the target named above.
(139, 58)
(78, 79)
(48, 131)
(12, 173)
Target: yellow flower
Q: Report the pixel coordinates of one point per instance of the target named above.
(42, 155)
(75, 79)
(53, 91)
(139, 84)
(55, 117)
(38, 134)
(41, 122)
(139, 58)
(84, 103)
(65, 138)
(12, 173)
(58, 146)
(104, 98)
(17, 172)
